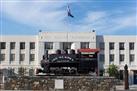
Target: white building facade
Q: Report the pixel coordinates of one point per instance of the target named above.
(27, 51)
(119, 50)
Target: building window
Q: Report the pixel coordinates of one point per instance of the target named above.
(101, 57)
(3, 45)
(12, 57)
(22, 45)
(12, 45)
(122, 57)
(48, 45)
(121, 46)
(131, 46)
(2, 57)
(111, 57)
(111, 45)
(32, 45)
(132, 57)
(84, 45)
(32, 57)
(67, 45)
(102, 45)
(22, 57)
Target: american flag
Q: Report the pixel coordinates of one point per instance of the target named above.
(69, 12)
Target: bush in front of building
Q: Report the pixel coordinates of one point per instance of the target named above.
(113, 71)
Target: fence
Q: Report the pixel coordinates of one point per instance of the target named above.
(21, 71)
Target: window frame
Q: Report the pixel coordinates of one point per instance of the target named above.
(132, 56)
(102, 45)
(32, 45)
(2, 45)
(3, 57)
(49, 45)
(22, 57)
(84, 45)
(12, 58)
(22, 45)
(32, 57)
(121, 46)
(66, 45)
(111, 56)
(131, 45)
(111, 46)
(121, 57)
(12, 45)
(102, 57)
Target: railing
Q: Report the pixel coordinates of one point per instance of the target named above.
(21, 71)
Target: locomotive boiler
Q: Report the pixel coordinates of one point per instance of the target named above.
(81, 61)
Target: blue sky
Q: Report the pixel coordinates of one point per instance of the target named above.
(107, 17)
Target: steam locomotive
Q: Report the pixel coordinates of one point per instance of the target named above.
(63, 62)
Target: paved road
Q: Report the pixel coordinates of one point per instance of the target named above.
(131, 88)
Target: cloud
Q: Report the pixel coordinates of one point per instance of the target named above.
(108, 22)
(41, 14)
(119, 24)
(127, 21)
(94, 16)
(51, 15)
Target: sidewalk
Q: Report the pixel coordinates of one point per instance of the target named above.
(131, 88)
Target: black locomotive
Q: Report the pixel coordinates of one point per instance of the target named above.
(62, 62)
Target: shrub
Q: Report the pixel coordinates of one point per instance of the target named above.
(113, 71)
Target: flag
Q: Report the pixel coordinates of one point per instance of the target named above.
(69, 12)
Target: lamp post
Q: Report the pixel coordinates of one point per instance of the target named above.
(126, 77)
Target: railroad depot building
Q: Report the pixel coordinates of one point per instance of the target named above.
(27, 51)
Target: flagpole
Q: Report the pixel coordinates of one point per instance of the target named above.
(67, 22)
(68, 16)
(67, 28)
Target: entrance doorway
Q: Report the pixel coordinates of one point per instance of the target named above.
(135, 77)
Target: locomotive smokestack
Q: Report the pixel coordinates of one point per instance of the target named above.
(66, 51)
(72, 51)
(58, 51)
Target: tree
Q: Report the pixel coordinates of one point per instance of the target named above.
(113, 71)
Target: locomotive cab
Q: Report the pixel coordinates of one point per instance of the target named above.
(88, 60)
